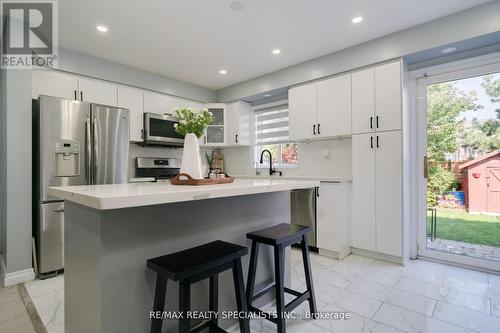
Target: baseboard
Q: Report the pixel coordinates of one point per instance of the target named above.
(335, 254)
(381, 256)
(10, 279)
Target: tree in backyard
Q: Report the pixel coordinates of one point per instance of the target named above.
(492, 89)
(445, 103)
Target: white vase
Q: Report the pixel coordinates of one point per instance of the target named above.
(191, 158)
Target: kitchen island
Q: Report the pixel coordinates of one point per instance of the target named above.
(111, 230)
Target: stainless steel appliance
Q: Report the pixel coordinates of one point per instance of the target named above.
(159, 130)
(74, 143)
(159, 168)
(303, 211)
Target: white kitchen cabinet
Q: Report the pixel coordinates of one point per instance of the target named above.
(215, 133)
(388, 85)
(51, 83)
(363, 226)
(97, 91)
(158, 103)
(376, 193)
(302, 106)
(320, 110)
(363, 101)
(334, 107)
(238, 124)
(389, 193)
(133, 99)
(186, 103)
(333, 215)
(376, 98)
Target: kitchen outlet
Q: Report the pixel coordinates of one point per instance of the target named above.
(326, 154)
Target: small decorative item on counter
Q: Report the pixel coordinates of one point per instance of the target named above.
(192, 124)
(218, 160)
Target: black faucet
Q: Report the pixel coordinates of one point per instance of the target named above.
(272, 171)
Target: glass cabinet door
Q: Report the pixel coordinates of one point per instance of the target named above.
(215, 131)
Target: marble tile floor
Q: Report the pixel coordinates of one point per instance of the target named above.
(379, 296)
(14, 317)
(466, 249)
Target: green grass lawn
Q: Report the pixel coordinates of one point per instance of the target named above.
(461, 226)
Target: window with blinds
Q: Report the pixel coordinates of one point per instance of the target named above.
(272, 134)
(272, 125)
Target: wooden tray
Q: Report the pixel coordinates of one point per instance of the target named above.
(196, 182)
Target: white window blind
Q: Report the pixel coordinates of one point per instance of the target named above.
(272, 125)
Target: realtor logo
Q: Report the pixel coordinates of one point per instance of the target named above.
(29, 34)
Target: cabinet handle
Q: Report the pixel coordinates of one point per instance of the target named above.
(81, 96)
(76, 98)
(142, 134)
(314, 129)
(371, 142)
(377, 142)
(236, 138)
(376, 121)
(318, 129)
(371, 122)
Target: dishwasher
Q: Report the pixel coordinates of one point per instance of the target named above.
(303, 211)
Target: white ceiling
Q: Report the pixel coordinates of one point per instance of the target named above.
(191, 40)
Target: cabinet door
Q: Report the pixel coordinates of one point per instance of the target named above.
(158, 103)
(238, 124)
(302, 105)
(55, 84)
(363, 230)
(333, 218)
(388, 194)
(215, 134)
(334, 106)
(96, 91)
(388, 97)
(179, 102)
(132, 99)
(363, 101)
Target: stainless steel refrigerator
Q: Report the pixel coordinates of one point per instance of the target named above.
(74, 143)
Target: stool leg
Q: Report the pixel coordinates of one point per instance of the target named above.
(214, 300)
(184, 305)
(241, 301)
(279, 276)
(159, 302)
(252, 269)
(307, 269)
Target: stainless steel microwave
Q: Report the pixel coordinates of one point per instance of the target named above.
(159, 130)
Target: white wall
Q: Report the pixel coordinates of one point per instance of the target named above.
(312, 163)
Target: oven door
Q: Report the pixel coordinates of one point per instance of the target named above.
(159, 129)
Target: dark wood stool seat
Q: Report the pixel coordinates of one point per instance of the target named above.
(279, 237)
(192, 265)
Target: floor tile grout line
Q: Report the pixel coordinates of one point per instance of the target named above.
(31, 309)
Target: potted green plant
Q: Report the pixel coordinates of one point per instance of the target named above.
(192, 124)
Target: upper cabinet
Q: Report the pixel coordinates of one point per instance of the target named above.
(376, 98)
(132, 99)
(97, 91)
(215, 133)
(158, 103)
(238, 124)
(321, 110)
(55, 84)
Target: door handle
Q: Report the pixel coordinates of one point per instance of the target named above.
(376, 121)
(319, 133)
(371, 142)
(371, 122)
(88, 151)
(426, 167)
(236, 138)
(76, 98)
(81, 96)
(95, 152)
(59, 210)
(377, 142)
(314, 129)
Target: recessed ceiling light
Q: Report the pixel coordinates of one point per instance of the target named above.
(102, 28)
(448, 50)
(276, 51)
(357, 19)
(223, 72)
(267, 95)
(237, 6)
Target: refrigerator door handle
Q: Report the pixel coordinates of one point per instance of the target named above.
(95, 144)
(88, 150)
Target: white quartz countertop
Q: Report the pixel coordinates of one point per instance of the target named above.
(264, 175)
(145, 194)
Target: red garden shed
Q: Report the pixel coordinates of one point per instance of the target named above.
(482, 183)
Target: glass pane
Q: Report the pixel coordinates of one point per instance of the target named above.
(215, 134)
(163, 128)
(289, 153)
(274, 153)
(218, 115)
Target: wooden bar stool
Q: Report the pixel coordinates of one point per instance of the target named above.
(193, 265)
(279, 237)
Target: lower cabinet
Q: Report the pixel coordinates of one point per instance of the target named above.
(333, 214)
(377, 218)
